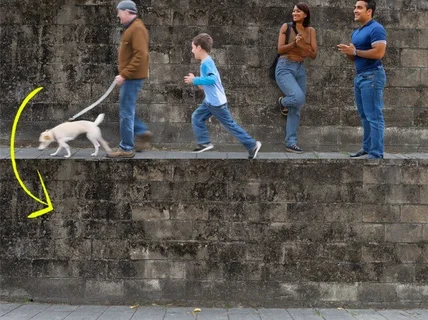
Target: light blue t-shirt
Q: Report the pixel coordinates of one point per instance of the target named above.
(211, 82)
(363, 38)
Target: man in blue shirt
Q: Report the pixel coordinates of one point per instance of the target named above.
(367, 48)
(215, 102)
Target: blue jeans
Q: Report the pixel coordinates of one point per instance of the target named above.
(368, 88)
(129, 123)
(222, 114)
(291, 79)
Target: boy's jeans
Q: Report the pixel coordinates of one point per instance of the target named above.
(291, 79)
(368, 88)
(129, 123)
(222, 114)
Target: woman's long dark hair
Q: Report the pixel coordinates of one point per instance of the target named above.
(305, 8)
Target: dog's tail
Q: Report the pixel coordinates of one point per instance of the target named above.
(99, 119)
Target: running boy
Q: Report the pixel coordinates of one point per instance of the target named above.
(215, 102)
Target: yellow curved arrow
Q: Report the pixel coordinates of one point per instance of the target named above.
(48, 202)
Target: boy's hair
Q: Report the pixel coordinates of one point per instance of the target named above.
(203, 40)
(371, 4)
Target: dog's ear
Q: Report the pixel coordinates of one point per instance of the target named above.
(46, 137)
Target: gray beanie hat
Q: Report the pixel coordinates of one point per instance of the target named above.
(127, 5)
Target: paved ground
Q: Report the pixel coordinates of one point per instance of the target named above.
(15, 311)
(33, 153)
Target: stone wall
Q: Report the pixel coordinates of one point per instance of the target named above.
(69, 47)
(271, 233)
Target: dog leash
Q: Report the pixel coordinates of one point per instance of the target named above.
(96, 102)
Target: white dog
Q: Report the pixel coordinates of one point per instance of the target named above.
(68, 131)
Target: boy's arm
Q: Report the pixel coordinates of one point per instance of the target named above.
(207, 80)
(199, 81)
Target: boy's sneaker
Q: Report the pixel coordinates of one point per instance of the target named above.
(282, 109)
(143, 141)
(252, 154)
(122, 154)
(293, 148)
(202, 147)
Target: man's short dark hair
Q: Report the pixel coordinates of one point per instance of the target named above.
(371, 4)
(203, 40)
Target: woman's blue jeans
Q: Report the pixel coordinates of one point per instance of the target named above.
(291, 79)
(130, 124)
(222, 114)
(368, 88)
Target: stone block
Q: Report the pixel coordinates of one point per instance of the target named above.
(403, 233)
(51, 288)
(275, 212)
(149, 211)
(341, 252)
(382, 175)
(424, 78)
(243, 55)
(381, 213)
(54, 268)
(398, 273)
(140, 290)
(125, 269)
(244, 192)
(191, 16)
(412, 292)
(399, 77)
(206, 270)
(407, 20)
(94, 288)
(414, 175)
(414, 58)
(159, 269)
(90, 269)
(338, 292)
(414, 213)
(423, 199)
(15, 268)
(420, 116)
(378, 253)
(377, 292)
(168, 230)
(73, 249)
(409, 253)
(368, 232)
(403, 38)
(305, 212)
(243, 231)
(399, 97)
(119, 249)
(243, 271)
(421, 271)
(425, 233)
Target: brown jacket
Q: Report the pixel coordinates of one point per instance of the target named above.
(133, 56)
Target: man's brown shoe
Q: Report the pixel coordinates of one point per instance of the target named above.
(143, 141)
(119, 153)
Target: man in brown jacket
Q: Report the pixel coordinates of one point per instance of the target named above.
(133, 65)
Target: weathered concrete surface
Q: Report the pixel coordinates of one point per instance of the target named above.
(69, 47)
(272, 233)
